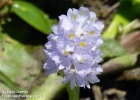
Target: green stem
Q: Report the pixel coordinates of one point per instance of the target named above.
(73, 93)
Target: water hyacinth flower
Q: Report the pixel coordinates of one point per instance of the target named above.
(73, 48)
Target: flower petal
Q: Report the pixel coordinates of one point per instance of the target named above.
(92, 79)
(72, 82)
(99, 25)
(87, 84)
(50, 71)
(79, 80)
(66, 79)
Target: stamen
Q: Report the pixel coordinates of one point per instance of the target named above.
(91, 72)
(71, 35)
(83, 13)
(82, 44)
(81, 34)
(91, 32)
(71, 53)
(73, 71)
(92, 19)
(66, 53)
(82, 60)
(74, 16)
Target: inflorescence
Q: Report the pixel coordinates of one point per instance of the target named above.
(73, 48)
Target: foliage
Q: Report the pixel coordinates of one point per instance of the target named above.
(32, 15)
(122, 17)
(112, 48)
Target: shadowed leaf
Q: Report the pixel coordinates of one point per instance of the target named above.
(112, 48)
(32, 15)
(49, 89)
(17, 66)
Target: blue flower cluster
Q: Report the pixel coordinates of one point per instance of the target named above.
(73, 48)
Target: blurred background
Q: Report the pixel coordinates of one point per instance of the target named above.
(24, 27)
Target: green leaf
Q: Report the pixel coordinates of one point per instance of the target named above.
(124, 16)
(3, 87)
(113, 27)
(1, 38)
(49, 89)
(121, 63)
(32, 15)
(136, 6)
(8, 82)
(112, 48)
(17, 66)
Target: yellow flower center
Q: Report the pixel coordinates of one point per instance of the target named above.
(74, 16)
(71, 35)
(82, 60)
(82, 44)
(92, 19)
(91, 32)
(83, 13)
(73, 71)
(65, 52)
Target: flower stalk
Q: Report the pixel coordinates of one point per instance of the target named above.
(73, 93)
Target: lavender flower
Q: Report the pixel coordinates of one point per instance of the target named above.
(73, 47)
